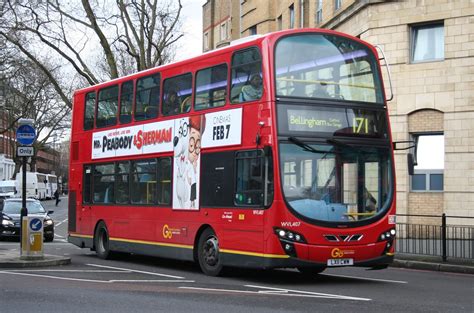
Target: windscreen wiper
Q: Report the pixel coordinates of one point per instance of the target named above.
(305, 146)
(339, 143)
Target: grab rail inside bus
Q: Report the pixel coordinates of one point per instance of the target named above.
(388, 71)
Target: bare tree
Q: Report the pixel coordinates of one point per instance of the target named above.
(28, 93)
(95, 40)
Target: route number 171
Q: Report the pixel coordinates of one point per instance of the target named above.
(360, 125)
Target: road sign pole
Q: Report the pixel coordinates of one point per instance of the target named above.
(26, 136)
(24, 210)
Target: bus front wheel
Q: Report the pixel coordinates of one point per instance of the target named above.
(101, 241)
(208, 253)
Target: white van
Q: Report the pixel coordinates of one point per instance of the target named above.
(31, 185)
(7, 189)
(52, 185)
(43, 191)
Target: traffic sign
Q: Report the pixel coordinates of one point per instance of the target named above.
(23, 151)
(36, 224)
(25, 134)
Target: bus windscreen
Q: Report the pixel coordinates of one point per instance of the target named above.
(324, 66)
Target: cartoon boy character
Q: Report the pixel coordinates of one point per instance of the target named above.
(197, 125)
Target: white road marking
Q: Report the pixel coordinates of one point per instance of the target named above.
(282, 292)
(151, 281)
(55, 277)
(367, 278)
(136, 271)
(324, 295)
(67, 271)
(112, 270)
(60, 222)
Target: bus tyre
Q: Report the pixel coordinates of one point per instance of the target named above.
(101, 242)
(310, 271)
(208, 253)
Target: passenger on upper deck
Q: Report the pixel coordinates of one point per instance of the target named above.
(321, 90)
(252, 91)
(171, 103)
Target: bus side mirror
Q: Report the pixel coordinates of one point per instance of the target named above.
(411, 164)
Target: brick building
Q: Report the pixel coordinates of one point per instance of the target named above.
(47, 160)
(7, 140)
(430, 47)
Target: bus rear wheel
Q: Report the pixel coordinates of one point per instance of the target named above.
(101, 242)
(208, 253)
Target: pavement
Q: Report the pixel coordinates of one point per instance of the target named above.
(433, 263)
(10, 258)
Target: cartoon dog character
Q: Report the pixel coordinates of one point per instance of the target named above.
(180, 149)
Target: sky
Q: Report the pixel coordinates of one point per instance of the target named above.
(191, 43)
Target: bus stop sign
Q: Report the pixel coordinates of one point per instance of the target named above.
(25, 134)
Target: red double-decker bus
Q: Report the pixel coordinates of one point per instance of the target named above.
(272, 152)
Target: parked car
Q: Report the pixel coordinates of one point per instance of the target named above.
(10, 224)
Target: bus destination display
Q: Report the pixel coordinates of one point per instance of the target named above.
(342, 121)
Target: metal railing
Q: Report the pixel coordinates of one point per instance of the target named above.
(436, 235)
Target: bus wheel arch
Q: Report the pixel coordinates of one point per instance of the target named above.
(101, 243)
(207, 251)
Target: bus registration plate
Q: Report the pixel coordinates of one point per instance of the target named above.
(340, 262)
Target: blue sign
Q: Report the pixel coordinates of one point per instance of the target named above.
(36, 224)
(26, 134)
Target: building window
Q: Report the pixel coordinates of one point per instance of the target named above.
(253, 30)
(206, 41)
(301, 13)
(429, 166)
(337, 4)
(280, 22)
(292, 16)
(319, 12)
(427, 42)
(223, 31)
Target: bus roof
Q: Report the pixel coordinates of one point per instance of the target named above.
(235, 45)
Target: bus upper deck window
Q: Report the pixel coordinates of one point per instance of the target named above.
(246, 76)
(126, 100)
(89, 111)
(177, 93)
(148, 96)
(211, 87)
(107, 107)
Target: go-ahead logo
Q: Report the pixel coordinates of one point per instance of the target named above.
(169, 232)
(337, 253)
